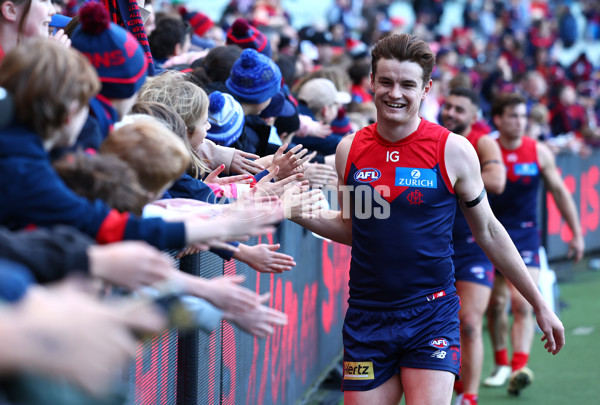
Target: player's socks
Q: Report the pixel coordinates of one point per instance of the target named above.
(458, 387)
(501, 357)
(469, 399)
(519, 360)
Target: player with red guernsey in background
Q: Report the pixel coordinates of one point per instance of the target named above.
(404, 175)
(527, 162)
(474, 272)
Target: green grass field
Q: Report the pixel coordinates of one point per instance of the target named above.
(573, 376)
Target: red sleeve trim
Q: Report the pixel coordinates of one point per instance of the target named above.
(352, 151)
(113, 227)
(442, 161)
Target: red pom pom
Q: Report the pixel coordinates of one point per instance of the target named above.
(240, 27)
(94, 18)
(182, 11)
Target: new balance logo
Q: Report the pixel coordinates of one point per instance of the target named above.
(440, 354)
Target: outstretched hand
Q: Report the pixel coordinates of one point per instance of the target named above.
(277, 188)
(300, 202)
(290, 162)
(89, 340)
(265, 258)
(258, 321)
(224, 292)
(243, 163)
(320, 175)
(214, 178)
(129, 264)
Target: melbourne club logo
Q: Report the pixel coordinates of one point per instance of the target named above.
(415, 197)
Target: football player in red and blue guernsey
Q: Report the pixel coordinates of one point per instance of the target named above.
(404, 176)
(474, 272)
(527, 162)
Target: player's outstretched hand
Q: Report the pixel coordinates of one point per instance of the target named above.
(552, 328)
(320, 175)
(300, 202)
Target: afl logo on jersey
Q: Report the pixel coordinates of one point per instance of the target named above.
(439, 343)
(367, 175)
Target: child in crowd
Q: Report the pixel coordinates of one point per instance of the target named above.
(34, 195)
(159, 158)
(121, 65)
(48, 119)
(253, 81)
(191, 103)
(25, 20)
(103, 176)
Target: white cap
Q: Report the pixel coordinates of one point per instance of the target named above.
(318, 93)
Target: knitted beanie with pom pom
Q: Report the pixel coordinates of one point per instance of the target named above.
(244, 35)
(226, 119)
(200, 22)
(254, 78)
(115, 53)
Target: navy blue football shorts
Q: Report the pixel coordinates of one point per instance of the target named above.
(527, 242)
(471, 264)
(377, 344)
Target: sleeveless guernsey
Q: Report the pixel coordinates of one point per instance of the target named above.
(461, 227)
(402, 207)
(517, 206)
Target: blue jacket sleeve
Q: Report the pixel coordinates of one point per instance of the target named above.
(195, 189)
(225, 254)
(35, 195)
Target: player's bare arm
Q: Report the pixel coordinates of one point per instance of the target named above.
(463, 169)
(493, 171)
(333, 224)
(564, 201)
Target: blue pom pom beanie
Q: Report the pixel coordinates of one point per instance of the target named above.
(254, 78)
(226, 119)
(116, 54)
